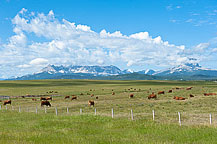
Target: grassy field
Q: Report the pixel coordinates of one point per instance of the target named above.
(29, 127)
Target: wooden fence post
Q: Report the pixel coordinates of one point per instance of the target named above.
(0, 107)
(12, 107)
(131, 114)
(112, 113)
(210, 118)
(179, 118)
(45, 110)
(67, 110)
(153, 114)
(80, 110)
(56, 111)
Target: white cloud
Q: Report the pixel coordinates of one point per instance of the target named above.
(67, 43)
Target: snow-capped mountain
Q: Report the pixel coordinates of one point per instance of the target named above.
(94, 70)
(147, 72)
(187, 69)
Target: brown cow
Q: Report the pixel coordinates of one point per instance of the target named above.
(189, 88)
(113, 93)
(131, 95)
(191, 95)
(170, 91)
(152, 96)
(23, 96)
(34, 99)
(160, 92)
(81, 94)
(67, 97)
(178, 98)
(91, 103)
(47, 103)
(92, 95)
(208, 94)
(42, 98)
(49, 98)
(73, 98)
(7, 102)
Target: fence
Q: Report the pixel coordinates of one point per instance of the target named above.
(181, 118)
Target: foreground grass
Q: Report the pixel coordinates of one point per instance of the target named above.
(48, 128)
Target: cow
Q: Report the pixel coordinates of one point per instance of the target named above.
(113, 93)
(67, 97)
(34, 99)
(160, 92)
(47, 103)
(92, 95)
(178, 98)
(134, 89)
(73, 98)
(7, 102)
(91, 103)
(208, 94)
(88, 93)
(152, 96)
(191, 95)
(90, 89)
(42, 98)
(97, 97)
(81, 94)
(131, 95)
(189, 88)
(49, 98)
(56, 92)
(170, 91)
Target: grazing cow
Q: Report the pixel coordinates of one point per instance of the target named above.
(81, 94)
(113, 93)
(73, 98)
(42, 98)
(34, 99)
(92, 95)
(23, 96)
(189, 88)
(191, 95)
(178, 98)
(128, 89)
(49, 98)
(7, 102)
(134, 89)
(97, 97)
(131, 95)
(88, 93)
(112, 90)
(91, 103)
(152, 96)
(90, 89)
(47, 103)
(170, 91)
(178, 88)
(56, 92)
(160, 92)
(67, 97)
(208, 94)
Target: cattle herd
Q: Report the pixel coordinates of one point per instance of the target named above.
(45, 101)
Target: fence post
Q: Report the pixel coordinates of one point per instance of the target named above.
(45, 110)
(112, 113)
(36, 110)
(179, 118)
(131, 114)
(80, 110)
(210, 118)
(153, 114)
(19, 109)
(67, 110)
(0, 107)
(12, 107)
(56, 111)
(95, 111)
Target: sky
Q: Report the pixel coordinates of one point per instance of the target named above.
(130, 34)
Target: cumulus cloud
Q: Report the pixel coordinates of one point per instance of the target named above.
(66, 43)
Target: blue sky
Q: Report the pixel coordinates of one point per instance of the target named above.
(135, 34)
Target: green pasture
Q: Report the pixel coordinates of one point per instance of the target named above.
(28, 127)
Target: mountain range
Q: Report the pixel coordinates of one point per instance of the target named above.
(188, 71)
